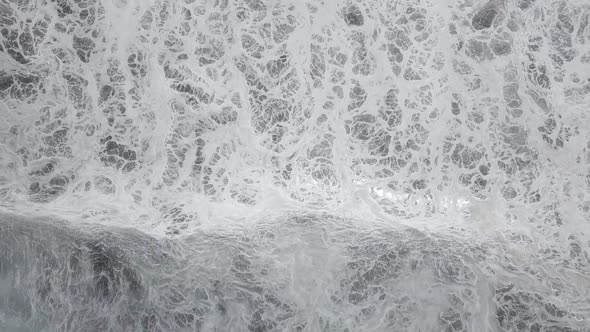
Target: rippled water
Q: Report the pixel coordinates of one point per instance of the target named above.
(294, 165)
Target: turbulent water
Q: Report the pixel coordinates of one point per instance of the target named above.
(290, 165)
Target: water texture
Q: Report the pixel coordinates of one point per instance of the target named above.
(286, 165)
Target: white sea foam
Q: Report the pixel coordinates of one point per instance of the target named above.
(461, 118)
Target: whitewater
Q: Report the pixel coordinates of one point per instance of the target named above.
(295, 165)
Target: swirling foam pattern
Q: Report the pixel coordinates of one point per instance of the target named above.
(374, 165)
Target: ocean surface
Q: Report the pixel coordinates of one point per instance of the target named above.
(292, 165)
